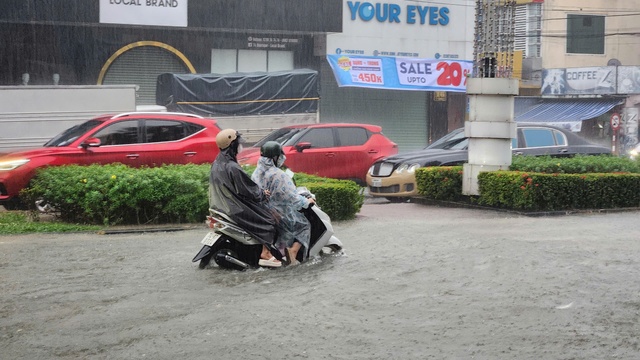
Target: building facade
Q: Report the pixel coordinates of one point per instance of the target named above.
(584, 55)
(401, 29)
(89, 42)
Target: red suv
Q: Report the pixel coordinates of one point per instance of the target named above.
(340, 151)
(135, 139)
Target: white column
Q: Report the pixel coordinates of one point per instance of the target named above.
(490, 128)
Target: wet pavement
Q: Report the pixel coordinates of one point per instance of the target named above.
(413, 282)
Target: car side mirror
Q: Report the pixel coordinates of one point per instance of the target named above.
(91, 142)
(302, 146)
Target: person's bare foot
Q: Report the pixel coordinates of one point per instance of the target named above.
(292, 253)
(265, 254)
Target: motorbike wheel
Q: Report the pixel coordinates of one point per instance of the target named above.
(204, 261)
(220, 258)
(334, 247)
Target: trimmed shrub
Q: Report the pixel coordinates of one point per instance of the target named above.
(579, 164)
(440, 182)
(117, 194)
(537, 192)
(535, 187)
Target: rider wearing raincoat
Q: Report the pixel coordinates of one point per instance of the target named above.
(232, 192)
(294, 230)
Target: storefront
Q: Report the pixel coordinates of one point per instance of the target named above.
(401, 29)
(81, 42)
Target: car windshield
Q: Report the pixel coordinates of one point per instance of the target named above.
(280, 135)
(454, 140)
(71, 134)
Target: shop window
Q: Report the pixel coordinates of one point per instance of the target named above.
(224, 61)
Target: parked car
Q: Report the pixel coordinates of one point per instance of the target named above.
(135, 139)
(340, 151)
(394, 178)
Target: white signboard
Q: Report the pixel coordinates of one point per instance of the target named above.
(596, 80)
(406, 28)
(144, 12)
(575, 81)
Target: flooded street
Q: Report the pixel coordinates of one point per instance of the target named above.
(414, 282)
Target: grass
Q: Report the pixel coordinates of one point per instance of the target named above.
(17, 222)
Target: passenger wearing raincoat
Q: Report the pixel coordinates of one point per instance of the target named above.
(294, 230)
(232, 192)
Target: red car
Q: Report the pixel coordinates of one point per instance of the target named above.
(133, 139)
(339, 151)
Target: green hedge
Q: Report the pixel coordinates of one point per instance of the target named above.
(543, 184)
(117, 194)
(440, 182)
(579, 164)
(546, 192)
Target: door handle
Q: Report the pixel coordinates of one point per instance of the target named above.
(330, 154)
(563, 150)
(373, 151)
(189, 153)
(517, 153)
(133, 156)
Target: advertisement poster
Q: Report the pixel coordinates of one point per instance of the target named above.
(144, 12)
(576, 81)
(628, 79)
(401, 73)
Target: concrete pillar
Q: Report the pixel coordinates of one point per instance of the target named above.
(489, 127)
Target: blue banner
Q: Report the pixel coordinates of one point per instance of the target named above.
(383, 72)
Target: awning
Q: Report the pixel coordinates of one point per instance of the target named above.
(568, 113)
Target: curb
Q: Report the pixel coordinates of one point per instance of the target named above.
(133, 230)
(423, 201)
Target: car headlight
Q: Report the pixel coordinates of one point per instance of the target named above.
(12, 164)
(402, 168)
(408, 168)
(633, 153)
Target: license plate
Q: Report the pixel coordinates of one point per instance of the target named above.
(210, 239)
(376, 182)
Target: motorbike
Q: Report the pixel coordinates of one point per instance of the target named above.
(231, 247)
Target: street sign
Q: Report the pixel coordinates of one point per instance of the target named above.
(615, 121)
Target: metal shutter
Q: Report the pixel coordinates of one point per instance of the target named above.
(141, 66)
(402, 114)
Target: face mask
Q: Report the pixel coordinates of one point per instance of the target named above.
(281, 160)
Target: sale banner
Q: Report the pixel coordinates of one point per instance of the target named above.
(401, 73)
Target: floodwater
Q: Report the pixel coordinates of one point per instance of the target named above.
(414, 282)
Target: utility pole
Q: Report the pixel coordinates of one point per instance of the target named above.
(490, 92)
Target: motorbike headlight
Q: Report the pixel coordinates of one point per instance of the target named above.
(12, 164)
